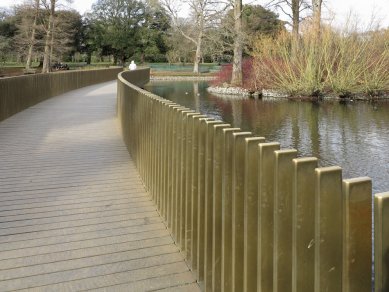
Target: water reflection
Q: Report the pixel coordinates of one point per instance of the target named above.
(352, 135)
(196, 96)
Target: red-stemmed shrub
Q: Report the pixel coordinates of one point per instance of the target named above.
(223, 76)
(225, 73)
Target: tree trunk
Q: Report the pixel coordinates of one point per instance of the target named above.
(32, 40)
(316, 6)
(296, 24)
(198, 54)
(199, 44)
(237, 76)
(88, 57)
(46, 58)
(52, 44)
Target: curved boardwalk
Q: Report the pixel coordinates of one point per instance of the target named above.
(74, 215)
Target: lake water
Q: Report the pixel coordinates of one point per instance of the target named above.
(353, 135)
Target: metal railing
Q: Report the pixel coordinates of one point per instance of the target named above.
(19, 93)
(247, 215)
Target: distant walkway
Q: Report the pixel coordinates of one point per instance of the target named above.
(74, 215)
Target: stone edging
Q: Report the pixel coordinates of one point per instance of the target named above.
(234, 91)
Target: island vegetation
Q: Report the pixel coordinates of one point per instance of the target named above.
(305, 56)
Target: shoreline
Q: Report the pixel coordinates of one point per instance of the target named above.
(234, 92)
(238, 92)
(181, 78)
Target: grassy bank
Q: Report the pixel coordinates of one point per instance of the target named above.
(157, 69)
(179, 74)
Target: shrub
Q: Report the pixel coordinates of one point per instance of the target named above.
(225, 73)
(342, 62)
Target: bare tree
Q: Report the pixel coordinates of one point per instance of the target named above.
(50, 28)
(293, 9)
(49, 35)
(234, 36)
(237, 75)
(203, 13)
(316, 7)
(179, 48)
(27, 39)
(32, 38)
(66, 27)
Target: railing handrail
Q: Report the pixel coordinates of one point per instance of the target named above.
(247, 215)
(20, 92)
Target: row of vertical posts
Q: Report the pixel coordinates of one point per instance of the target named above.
(247, 215)
(20, 92)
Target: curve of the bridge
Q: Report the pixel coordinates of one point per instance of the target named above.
(74, 214)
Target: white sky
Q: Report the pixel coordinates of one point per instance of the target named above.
(337, 9)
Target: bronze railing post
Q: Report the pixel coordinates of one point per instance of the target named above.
(283, 193)
(381, 242)
(328, 229)
(218, 165)
(357, 234)
(266, 166)
(250, 240)
(303, 233)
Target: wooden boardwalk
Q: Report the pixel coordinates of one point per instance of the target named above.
(74, 215)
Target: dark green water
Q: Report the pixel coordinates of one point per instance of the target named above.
(353, 135)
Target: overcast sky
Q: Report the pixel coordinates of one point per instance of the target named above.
(336, 9)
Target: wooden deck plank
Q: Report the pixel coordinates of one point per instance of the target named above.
(182, 288)
(97, 276)
(89, 262)
(45, 201)
(151, 284)
(46, 223)
(41, 177)
(105, 204)
(75, 211)
(38, 247)
(78, 227)
(50, 206)
(64, 252)
(104, 228)
(75, 217)
(173, 282)
(60, 184)
(74, 214)
(72, 190)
